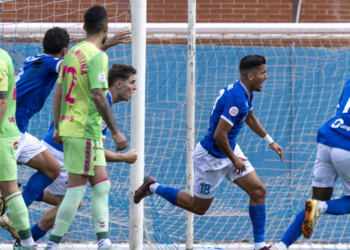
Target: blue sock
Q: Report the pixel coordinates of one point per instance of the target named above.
(258, 217)
(37, 233)
(35, 187)
(339, 206)
(39, 198)
(294, 231)
(168, 193)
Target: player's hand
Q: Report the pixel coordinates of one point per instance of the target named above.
(56, 137)
(278, 149)
(122, 36)
(120, 140)
(239, 164)
(131, 156)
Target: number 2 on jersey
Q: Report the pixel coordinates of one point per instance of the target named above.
(72, 70)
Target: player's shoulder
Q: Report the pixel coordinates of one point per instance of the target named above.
(90, 49)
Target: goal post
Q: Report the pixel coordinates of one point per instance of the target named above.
(304, 85)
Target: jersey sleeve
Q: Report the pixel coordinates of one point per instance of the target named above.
(231, 111)
(98, 70)
(52, 64)
(3, 76)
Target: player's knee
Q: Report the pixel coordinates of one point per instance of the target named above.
(258, 193)
(200, 211)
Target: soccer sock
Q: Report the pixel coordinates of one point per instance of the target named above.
(339, 206)
(40, 196)
(168, 193)
(37, 232)
(35, 187)
(153, 187)
(67, 211)
(100, 212)
(294, 231)
(258, 217)
(18, 213)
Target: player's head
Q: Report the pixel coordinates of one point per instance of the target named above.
(253, 71)
(96, 22)
(121, 82)
(56, 42)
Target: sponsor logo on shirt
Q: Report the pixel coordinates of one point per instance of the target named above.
(339, 123)
(233, 111)
(67, 117)
(102, 77)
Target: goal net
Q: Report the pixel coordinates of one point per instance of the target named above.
(307, 66)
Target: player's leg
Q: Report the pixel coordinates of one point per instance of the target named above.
(31, 152)
(324, 177)
(78, 161)
(341, 162)
(206, 183)
(9, 189)
(251, 184)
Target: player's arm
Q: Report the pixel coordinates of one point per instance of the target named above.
(254, 124)
(101, 102)
(56, 112)
(129, 157)
(122, 36)
(3, 90)
(220, 136)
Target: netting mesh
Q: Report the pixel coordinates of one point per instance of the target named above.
(305, 81)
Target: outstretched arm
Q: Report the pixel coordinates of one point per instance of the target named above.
(129, 157)
(255, 125)
(122, 36)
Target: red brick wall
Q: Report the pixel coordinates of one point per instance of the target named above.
(176, 11)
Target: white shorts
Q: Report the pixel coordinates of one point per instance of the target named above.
(330, 164)
(28, 147)
(209, 171)
(59, 186)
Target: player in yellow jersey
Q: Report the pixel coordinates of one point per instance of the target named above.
(9, 137)
(79, 102)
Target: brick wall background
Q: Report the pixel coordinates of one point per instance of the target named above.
(176, 10)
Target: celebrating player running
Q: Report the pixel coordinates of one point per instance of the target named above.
(218, 155)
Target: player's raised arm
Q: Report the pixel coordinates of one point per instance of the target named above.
(122, 36)
(254, 124)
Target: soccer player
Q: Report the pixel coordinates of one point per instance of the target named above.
(9, 137)
(79, 103)
(218, 155)
(121, 85)
(332, 161)
(34, 84)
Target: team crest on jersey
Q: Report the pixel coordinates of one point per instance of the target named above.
(102, 77)
(233, 111)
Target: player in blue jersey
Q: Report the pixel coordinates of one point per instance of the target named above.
(332, 161)
(218, 155)
(34, 84)
(121, 81)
